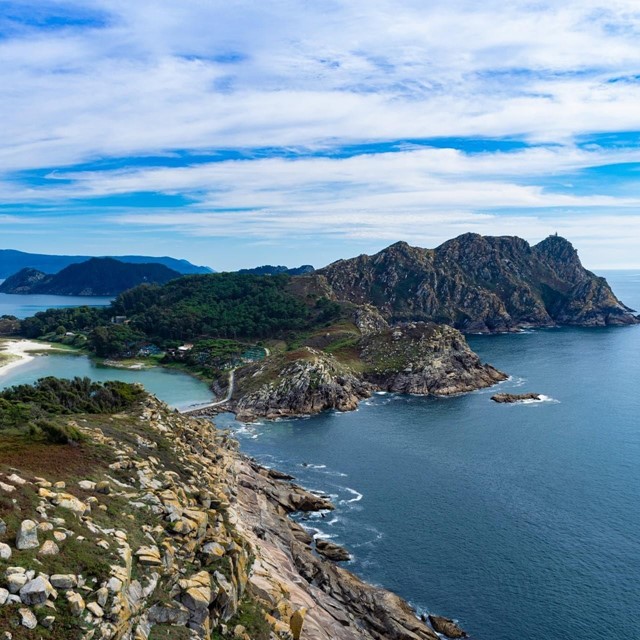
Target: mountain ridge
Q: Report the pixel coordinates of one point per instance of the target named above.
(480, 283)
(95, 277)
(12, 261)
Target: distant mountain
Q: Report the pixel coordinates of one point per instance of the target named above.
(271, 270)
(480, 283)
(95, 277)
(12, 261)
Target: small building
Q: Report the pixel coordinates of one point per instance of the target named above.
(118, 319)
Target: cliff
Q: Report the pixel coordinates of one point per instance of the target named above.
(154, 526)
(477, 283)
(95, 277)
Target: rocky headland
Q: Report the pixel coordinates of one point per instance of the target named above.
(154, 526)
(419, 358)
(480, 284)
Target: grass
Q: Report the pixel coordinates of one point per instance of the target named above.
(168, 632)
(251, 616)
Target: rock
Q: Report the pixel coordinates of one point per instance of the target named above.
(510, 398)
(102, 596)
(16, 581)
(16, 479)
(447, 627)
(173, 613)
(60, 536)
(296, 622)
(49, 548)
(103, 487)
(5, 551)
(28, 618)
(37, 591)
(3, 527)
(332, 551)
(64, 582)
(87, 485)
(67, 501)
(4, 594)
(213, 549)
(47, 621)
(95, 609)
(27, 537)
(7, 488)
(76, 603)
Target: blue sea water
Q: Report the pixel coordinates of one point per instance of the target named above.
(520, 521)
(23, 306)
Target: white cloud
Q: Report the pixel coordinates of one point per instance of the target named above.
(151, 79)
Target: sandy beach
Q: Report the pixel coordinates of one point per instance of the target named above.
(20, 352)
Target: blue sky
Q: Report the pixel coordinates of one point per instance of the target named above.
(241, 133)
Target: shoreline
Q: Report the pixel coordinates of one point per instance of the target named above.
(22, 352)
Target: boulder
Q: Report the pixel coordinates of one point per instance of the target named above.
(76, 603)
(27, 537)
(64, 581)
(4, 595)
(447, 627)
(5, 551)
(16, 581)
(28, 618)
(37, 591)
(49, 548)
(332, 551)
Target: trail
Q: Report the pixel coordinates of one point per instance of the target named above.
(219, 402)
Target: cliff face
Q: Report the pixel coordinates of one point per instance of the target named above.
(155, 526)
(298, 383)
(477, 283)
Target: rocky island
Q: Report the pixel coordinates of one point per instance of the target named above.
(125, 520)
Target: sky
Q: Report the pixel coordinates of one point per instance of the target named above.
(237, 133)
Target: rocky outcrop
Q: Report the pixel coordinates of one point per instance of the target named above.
(480, 284)
(510, 398)
(191, 537)
(297, 383)
(425, 359)
(417, 358)
(447, 627)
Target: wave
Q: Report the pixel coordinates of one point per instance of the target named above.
(357, 496)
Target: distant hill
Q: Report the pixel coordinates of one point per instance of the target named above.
(12, 261)
(95, 277)
(271, 270)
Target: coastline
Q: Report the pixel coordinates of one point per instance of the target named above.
(21, 352)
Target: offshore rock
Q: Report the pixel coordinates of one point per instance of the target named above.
(447, 627)
(510, 398)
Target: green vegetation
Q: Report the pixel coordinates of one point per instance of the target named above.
(32, 407)
(218, 312)
(251, 616)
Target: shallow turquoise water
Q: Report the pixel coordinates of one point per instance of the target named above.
(522, 521)
(175, 388)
